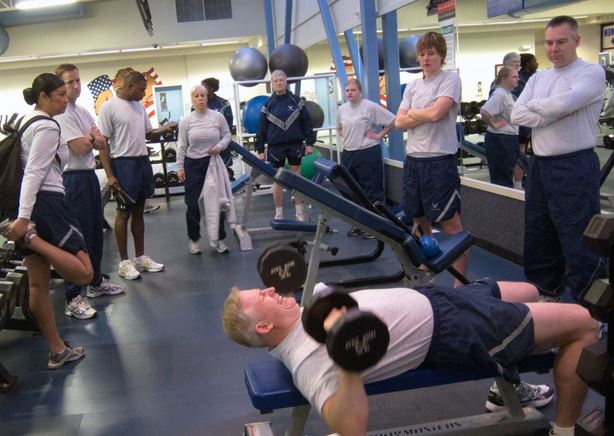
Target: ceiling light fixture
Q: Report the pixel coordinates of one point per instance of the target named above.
(137, 49)
(100, 52)
(37, 4)
(207, 44)
(165, 47)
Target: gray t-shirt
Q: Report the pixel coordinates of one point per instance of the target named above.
(409, 317)
(199, 132)
(436, 138)
(39, 145)
(562, 106)
(357, 119)
(125, 123)
(499, 106)
(76, 122)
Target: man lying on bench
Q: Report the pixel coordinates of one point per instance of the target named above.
(484, 325)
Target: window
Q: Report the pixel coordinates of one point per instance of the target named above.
(218, 9)
(189, 10)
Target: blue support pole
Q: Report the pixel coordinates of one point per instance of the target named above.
(393, 81)
(350, 40)
(369, 50)
(288, 32)
(335, 50)
(270, 28)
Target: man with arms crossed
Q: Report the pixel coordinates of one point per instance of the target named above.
(83, 190)
(124, 123)
(562, 105)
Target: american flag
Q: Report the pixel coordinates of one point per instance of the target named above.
(98, 85)
(150, 107)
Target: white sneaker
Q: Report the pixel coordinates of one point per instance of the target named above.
(127, 270)
(104, 288)
(279, 216)
(146, 263)
(194, 247)
(79, 308)
(299, 217)
(221, 247)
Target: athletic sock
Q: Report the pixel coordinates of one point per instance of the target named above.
(562, 431)
(279, 211)
(299, 209)
(517, 185)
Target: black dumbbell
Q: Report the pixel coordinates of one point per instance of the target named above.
(172, 179)
(282, 267)
(170, 155)
(356, 341)
(159, 180)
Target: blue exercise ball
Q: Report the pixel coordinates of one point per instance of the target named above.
(289, 58)
(408, 55)
(429, 246)
(248, 63)
(251, 113)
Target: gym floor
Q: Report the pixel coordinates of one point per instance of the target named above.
(158, 362)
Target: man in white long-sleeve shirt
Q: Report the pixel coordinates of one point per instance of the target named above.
(562, 106)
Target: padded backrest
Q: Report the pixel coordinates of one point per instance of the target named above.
(252, 160)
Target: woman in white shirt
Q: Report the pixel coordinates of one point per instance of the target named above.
(357, 120)
(202, 134)
(45, 229)
(501, 141)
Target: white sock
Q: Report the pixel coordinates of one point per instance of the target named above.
(299, 209)
(279, 211)
(517, 185)
(562, 431)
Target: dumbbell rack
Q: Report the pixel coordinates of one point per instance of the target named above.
(167, 193)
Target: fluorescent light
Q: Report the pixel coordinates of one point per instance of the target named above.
(495, 23)
(36, 4)
(434, 26)
(164, 47)
(18, 58)
(69, 55)
(100, 52)
(206, 44)
(131, 50)
(536, 20)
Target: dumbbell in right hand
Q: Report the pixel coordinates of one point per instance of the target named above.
(356, 340)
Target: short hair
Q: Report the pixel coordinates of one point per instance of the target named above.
(238, 325)
(279, 73)
(526, 58)
(504, 73)
(356, 82)
(433, 40)
(563, 19)
(510, 57)
(45, 83)
(63, 68)
(211, 83)
(134, 77)
(198, 88)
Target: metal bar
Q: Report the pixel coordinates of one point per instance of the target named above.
(370, 54)
(288, 31)
(396, 150)
(331, 35)
(270, 27)
(350, 40)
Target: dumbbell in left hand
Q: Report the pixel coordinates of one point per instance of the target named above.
(356, 341)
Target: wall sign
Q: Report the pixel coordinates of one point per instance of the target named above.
(607, 36)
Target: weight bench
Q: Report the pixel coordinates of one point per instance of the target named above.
(270, 387)
(402, 243)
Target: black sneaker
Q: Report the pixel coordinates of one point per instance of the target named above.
(354, 231)
(528, 394)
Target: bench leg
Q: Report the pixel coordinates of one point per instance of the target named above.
(510, 398)
(299, 418)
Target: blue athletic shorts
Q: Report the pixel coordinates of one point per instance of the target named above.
(135, 177)
(55, 222)
(277, 154)
(431, 187)
(474, 328)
